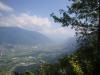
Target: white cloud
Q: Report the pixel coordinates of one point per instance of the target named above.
(5, 8)
(24, 20)
(36, 23)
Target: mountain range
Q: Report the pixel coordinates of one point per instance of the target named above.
(16, 35)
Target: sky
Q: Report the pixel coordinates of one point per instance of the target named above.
(35, 15)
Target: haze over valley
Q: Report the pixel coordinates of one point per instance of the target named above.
(28, 36)
(20, 47)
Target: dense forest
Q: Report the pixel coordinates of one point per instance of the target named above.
(83, 16)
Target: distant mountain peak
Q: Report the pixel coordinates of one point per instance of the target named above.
(16, 35)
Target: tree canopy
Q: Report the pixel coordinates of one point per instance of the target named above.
(83, 16)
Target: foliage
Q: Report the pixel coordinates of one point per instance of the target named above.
(26, 73)
(83, 16)
(81, 62)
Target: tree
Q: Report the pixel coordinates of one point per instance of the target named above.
(83, 16)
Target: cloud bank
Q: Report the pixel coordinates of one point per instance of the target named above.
(24, 20)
